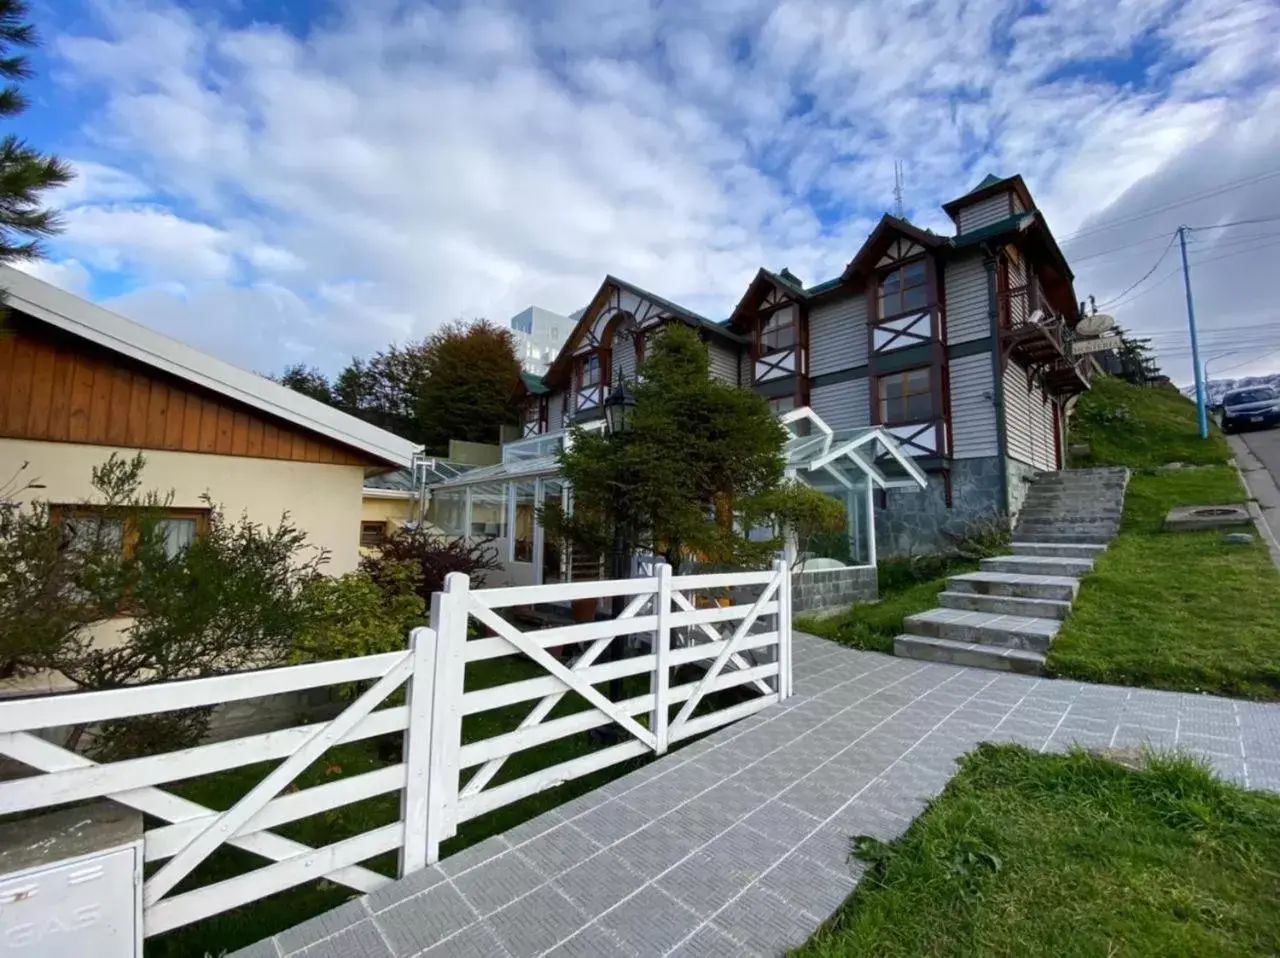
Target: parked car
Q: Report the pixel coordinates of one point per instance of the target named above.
(1255, 408)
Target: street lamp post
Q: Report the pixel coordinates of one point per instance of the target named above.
(618, 408)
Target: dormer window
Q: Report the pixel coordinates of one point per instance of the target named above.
(904, 290)
(778, 334)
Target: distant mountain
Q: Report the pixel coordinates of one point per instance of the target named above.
(1217, 388)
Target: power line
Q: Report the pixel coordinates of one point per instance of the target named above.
(1154, 267)
(1191, 198)
(1222, 226)
(1252, 359)
(1115, 302)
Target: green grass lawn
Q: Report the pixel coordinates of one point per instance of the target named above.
(1176, 610)
(1141, 428)
(1028, 854)
(905, 589)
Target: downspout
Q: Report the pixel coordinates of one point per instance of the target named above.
(997, 379)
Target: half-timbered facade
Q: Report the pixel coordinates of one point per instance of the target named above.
(957, 347)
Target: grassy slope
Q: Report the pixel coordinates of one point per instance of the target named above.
(1170, 610)
(1028, 854)
(872, 626)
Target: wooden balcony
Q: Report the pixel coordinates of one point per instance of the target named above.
(1029, 332)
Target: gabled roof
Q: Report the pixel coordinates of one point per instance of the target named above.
(756, 290)
(83, 319)
(990, 186)
(885, 229)
(588, 315)
(534, 384)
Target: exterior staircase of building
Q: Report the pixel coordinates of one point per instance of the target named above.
(1006, 615)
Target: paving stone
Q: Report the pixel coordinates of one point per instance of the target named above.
(653, 850)
(614, 820)
(652, 922)
(557, 851)
(474, 941)
(322, 926)
(710, 942)
(703, 884)
(419, 922)
(782, 823)
(357, 941)
(599, 882)
(732, 799)
(496, 883)
(593, 941)
(262, 949)
(536, 923)
(474, 855)
(764, 923)
(811, 887)
(407, 887)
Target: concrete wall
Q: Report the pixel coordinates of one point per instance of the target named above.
(826, 589)
(919, 522)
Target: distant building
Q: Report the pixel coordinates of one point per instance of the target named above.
(539, 334)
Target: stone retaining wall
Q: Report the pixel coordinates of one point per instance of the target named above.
(825, 589)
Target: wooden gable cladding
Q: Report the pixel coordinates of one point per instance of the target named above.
(900, 249)
(59, 388)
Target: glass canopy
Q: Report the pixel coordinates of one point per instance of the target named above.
(822, 456)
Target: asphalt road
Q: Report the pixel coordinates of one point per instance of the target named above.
(1265, 444)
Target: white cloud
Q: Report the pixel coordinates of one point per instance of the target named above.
(68, 274)
(402, 165)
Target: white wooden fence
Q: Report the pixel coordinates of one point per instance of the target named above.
(746, 643)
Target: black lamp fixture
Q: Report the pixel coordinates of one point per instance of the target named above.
(618, 407)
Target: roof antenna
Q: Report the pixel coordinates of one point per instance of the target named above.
(898, 210)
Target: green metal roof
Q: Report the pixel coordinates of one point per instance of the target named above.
(989, 180)
(534, 384)
(1009, 224)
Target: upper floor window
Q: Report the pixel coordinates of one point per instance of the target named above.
(905, 397)
(782, 405)
(778, 334)
(904, 289)
(533, 417)
(589, 371)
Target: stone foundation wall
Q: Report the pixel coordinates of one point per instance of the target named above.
(1020, 478)
(823, 589)
(918, 521)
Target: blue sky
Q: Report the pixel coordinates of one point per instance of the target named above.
(308, 181)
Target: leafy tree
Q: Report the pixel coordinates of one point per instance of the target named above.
(469, 390)
(1137, 365)
(307, 380)
(385, 389)
(25, 173)
(700, 467)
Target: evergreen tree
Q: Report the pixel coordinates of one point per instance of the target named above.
(25, 173)
(1137, 365)
(307, 380)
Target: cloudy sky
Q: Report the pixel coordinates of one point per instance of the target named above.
(304, 181)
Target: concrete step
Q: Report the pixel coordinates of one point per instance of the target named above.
(1068, 519)
(1037, 565)
(1061, 588)
(1005, 605)
(1087, 538)
(1062, 550)
(985, 628)
(1084, 509)
(929, 649)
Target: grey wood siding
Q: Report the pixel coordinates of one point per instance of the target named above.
(624, 357)
(984, 213)
(843, 405)
(555, 412)
(973, 412)
(744, 368)
(838, 335)
(968, 299)
(1028, 421)
(724, 361)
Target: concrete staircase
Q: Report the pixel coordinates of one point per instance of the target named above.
(1005, 615)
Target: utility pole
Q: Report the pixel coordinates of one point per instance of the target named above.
(1195, 343)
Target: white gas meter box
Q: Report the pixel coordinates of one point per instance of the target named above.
(71, 884)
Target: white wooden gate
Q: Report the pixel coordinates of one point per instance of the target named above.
(737, 642)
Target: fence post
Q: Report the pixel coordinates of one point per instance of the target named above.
(661, 684)
(416, 797)
(784, 628)
(449, 618)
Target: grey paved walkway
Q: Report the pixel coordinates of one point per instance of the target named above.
(738, 844)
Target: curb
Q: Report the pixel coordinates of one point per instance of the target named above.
(1264, 495)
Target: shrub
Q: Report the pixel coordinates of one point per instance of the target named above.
(431, 557)
(353, 615)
